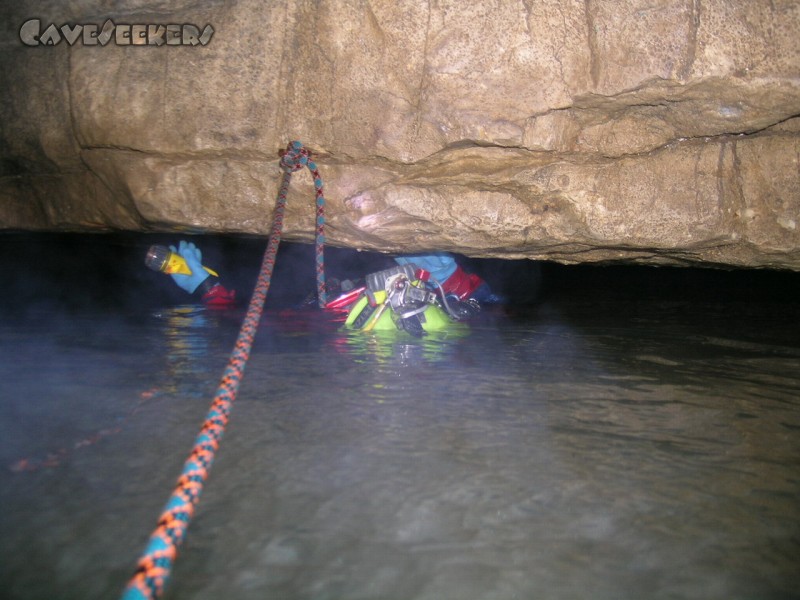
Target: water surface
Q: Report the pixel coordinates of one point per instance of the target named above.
(584, 446)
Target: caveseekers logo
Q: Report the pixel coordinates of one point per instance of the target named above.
(121, 34)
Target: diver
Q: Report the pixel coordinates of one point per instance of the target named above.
(189, 273)
(455, 281)
(424, 292)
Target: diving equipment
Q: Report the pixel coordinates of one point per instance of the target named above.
(184, 265)
(161, 258)
(397, 299)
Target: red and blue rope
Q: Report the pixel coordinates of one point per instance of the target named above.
(155, 564)
(295, 158)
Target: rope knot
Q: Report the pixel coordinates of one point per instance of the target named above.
(295, 157)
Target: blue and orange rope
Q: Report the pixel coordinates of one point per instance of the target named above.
(155, 564)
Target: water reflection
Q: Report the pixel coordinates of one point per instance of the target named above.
(532, 455)
(186, 331)
(194, 345)
(400, 349)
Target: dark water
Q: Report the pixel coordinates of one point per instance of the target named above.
(612, 433)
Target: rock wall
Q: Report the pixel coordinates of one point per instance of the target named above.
(653, 131)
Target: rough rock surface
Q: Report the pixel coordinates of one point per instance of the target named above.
(654, 131)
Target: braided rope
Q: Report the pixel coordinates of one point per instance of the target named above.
(295, 158)
(155, 564)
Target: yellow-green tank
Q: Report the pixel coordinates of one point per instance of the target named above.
(432, 319)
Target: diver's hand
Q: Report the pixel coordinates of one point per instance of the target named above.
(461, 310)
(193, 257)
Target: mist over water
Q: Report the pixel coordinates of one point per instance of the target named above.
(610, 432)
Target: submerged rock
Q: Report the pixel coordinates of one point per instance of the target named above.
(660, 133)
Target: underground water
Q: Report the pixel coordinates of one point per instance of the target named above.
(607, 432)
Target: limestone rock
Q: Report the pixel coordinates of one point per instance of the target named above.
(662, 132)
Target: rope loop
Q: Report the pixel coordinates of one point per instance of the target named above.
(295, 157)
